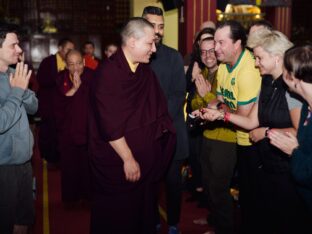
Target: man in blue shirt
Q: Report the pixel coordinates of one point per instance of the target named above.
(16, 139)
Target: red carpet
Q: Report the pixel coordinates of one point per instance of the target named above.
(59, 220)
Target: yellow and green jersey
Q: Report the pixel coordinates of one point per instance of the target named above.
(239, 85)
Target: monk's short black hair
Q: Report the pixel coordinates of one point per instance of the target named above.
(63, 41)
(153, 10)
(88, 43)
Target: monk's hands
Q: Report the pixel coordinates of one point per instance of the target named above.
(76, 81)
(130, 165)
(132, 169)
(285, 141)
(21, 77)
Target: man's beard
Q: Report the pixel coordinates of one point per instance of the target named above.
(159, 37)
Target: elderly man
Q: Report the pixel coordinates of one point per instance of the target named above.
(16, 139)
(71, 114)
(131, 136)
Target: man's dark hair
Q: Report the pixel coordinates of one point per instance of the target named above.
(153, 10)
(196, 50)
(237, 31)
(263, 23)
(110, 44)
(6, 28)
(62, 42)
(88, 43)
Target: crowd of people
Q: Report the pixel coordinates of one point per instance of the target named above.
(116, 128)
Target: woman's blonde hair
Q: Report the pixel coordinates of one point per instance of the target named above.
(272, 41)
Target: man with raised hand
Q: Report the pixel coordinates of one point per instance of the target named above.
(16, 139)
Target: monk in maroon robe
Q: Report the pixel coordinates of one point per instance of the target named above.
(71, 110)
(131, 136)
(46, 76)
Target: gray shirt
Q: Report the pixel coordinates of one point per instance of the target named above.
(16, 139)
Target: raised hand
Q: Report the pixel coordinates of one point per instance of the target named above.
(196, 71)
(20, 78)
(76, 81)
(203, 86)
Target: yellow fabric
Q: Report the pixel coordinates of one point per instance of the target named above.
(214, 131)
(60, 63)
(132, 66)
(198, 101)
(239, 86)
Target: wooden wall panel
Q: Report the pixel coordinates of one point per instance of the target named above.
(195, 13)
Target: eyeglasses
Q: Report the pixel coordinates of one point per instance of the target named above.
(207, 52)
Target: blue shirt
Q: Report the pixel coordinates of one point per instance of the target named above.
(16, 139)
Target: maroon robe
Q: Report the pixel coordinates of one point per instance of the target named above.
(130, 105)
(46, 77)
(71, 123)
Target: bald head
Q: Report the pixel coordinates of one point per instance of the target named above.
(138, 40)
(71, 53)
(135, 28)
(74, 62)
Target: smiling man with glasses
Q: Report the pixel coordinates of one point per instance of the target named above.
(217, 154)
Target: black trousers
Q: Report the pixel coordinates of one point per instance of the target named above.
(218, 160)
(16, 197)
(247, 167)
(195, 141)
(173, 192)
(269, 201)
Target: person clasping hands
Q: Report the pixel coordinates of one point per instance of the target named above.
(20, 78)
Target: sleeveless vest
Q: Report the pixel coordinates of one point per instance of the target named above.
(273, 112)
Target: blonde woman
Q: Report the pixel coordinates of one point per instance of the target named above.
(279, 208)
(298, 77)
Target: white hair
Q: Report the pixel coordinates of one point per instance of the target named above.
(272, 41)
